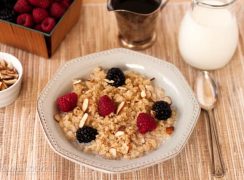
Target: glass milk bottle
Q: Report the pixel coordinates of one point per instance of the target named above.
(208, 34)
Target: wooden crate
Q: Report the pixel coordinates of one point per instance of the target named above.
(37, 42)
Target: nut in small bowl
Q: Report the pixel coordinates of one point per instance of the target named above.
(11, 72)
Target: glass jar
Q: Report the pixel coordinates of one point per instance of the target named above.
(208, 34)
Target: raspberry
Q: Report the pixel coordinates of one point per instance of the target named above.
(40, 3)
(38, 27)
(162, 110)
(22, 6)
(86, 134)
(67, 102)
(66, 3)
(145, 123)
(117, 76)
(39, 14)
(48, 24)
(57, 10)
(106, 106)
(25, 20)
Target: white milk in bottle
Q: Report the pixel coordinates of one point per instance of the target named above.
(208, 35)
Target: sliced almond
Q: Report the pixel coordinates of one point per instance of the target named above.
(83, 120)
(167, 99)
(12, 76)
(119, 133)
(122, 88)
(170, 130)
(8, 71)
(10, 82)
(16, 76)
(3, 76)
(57, 117)
(3, 63)
(8, 75)
(76, 81)
(85, 104)
(113, 152)
(4, 86)
(143, 94)
(120, 107)
(108, 81)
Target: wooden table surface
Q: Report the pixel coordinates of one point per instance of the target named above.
(25, 153)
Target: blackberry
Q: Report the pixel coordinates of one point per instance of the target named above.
(162, 110)
(117, 76)
(86, 134)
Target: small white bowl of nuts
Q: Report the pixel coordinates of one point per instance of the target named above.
(11, 72)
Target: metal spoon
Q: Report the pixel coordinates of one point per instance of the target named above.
(206, 92)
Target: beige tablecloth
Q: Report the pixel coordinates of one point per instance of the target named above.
(25, 153)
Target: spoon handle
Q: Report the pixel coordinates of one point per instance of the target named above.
(217, 162)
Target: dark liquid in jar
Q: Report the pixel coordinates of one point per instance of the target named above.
(138, 6)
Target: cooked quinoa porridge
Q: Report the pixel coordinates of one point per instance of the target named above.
(116, 114)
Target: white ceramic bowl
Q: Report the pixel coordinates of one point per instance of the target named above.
(166, 76)
(9, 95)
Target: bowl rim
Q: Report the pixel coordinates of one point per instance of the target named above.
(108, 169)
(20, 71)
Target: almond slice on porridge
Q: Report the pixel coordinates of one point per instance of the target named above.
(85, 105)
(83, 120)
(120, 107)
